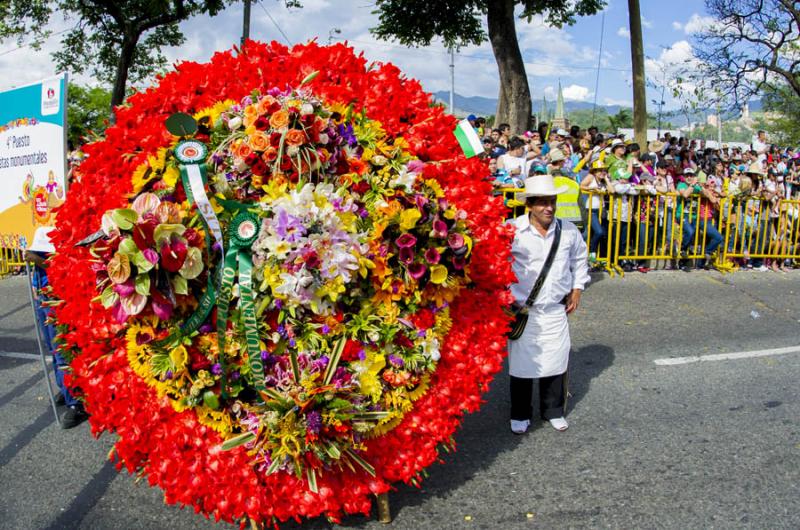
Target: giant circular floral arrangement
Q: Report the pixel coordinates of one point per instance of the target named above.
(283, 283)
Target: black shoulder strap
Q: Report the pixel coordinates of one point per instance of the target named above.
(548, 262)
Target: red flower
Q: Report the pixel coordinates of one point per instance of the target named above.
(173, 254)
(352, 350)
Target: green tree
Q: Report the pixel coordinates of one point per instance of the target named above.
(783, 106)
(88, 112)
(418, 22)
(115, 41)
(621, 120)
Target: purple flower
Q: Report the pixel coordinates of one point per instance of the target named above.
(289, 227)
(168, 374)
(417, 270)
(162, 307)
(406, 255)
(406, 241)
(420, 201)
(458, 262)
(325, 329)
(125, 289)
(264, 355)
(292, 343)
(439, 228)
(150, 255)
(278, 303)
(217, 246)
(235, 375)
(206, 328)
(216, 369)
(396, 361)
(314, 421)
(455, 240)
(432, 256)
(362, 354)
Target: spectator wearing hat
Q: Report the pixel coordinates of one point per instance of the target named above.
(38, 253)
(593, 183)
(701, 218)
(542, 351)
(556, 165)
(617, 164)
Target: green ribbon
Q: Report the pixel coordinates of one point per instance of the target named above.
(242, 233)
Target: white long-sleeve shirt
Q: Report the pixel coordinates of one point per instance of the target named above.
(570, 269)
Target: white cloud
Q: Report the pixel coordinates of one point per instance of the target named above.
(698, 24)
(623, 32)
(646, 23)
(571, 92)
(677, 26)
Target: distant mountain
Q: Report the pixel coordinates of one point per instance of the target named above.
(481, 106)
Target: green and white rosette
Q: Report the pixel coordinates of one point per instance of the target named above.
(242, 233)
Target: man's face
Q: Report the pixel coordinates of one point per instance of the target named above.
(762, 136)
(492, 165)
(495, 135)
(543, 209)
(661, 171)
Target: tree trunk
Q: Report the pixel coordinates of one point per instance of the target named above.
(514, 102)
(637, 64)
(129, 43)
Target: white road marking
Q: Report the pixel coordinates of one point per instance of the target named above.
(18, 355)
(727, 356)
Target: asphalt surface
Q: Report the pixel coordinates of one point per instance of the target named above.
(699, 445)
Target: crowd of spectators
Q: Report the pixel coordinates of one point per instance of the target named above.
(688, 178)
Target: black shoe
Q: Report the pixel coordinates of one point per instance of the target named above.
(73, 417)
(60, 401)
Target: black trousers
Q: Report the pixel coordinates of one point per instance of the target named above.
(552, 394)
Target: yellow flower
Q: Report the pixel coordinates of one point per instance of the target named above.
(179, 356)
(450, 213)
(409, 218)
(438, 274)
(435, 187)
(171, 176)
(368, 380)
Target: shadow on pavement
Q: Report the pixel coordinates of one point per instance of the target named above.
(25, 436)
(584, 365)
(21, 388)
(86, 499)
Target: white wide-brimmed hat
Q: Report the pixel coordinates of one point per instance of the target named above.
(41, 240)
(557, 155)
(541, 186)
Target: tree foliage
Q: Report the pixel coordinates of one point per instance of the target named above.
(88, 112)
(751, 44)
(114, 41)
(419, 22)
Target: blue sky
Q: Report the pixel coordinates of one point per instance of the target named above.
(569, 54)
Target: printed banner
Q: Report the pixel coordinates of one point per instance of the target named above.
(33, 160)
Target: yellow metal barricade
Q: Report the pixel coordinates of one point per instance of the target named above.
(595, 204)
(761, 229)
(11, 254)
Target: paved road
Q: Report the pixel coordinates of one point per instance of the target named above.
(699, 445)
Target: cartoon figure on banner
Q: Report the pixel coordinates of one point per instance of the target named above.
(43, 199)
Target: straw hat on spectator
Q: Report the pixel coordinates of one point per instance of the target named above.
(541, 186)
(755, 169)
(655, 146)
(557, 155)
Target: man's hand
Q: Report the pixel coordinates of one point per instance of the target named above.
(573, 300)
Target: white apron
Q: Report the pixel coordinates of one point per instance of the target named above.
(543, 348)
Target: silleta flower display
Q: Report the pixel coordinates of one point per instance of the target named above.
(291, 287)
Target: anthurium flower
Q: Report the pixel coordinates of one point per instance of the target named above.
(119, 268)
(406, 240)
(173, 254)
(145, 203)
(125, 289)
(161, 305)
(417, 270)
(438, 274)
(143, 232)
(192, 265)
(150, 255)
(133, 304)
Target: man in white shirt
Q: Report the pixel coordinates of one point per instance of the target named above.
(760, 145)
(542, 351)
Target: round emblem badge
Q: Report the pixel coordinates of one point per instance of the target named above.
(243, 229)
(191, 152)
(247, 229)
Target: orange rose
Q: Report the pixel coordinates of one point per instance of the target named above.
(250, 115)
(279, 120)
(264, 104)
(295, 137)
(242, 150)
(259, 141)
(270, 154)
